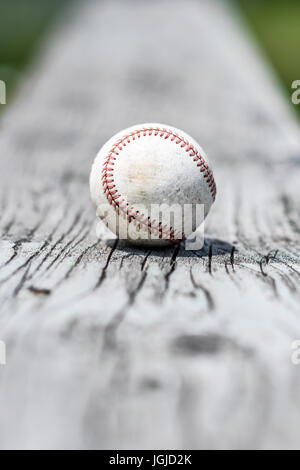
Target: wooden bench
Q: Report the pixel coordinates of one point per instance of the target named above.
(113, 346)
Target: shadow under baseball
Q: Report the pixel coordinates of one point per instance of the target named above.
(211, 247)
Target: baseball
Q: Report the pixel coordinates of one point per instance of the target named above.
(152, 183)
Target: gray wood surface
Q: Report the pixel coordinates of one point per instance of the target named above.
(112, 346)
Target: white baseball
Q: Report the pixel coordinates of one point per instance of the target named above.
(152, 167)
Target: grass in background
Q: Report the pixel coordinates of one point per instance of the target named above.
(22, 24)
(276, 23)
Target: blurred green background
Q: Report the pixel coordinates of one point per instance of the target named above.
(22, 26)
(275, 23)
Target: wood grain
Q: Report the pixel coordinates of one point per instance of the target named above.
(112, 346)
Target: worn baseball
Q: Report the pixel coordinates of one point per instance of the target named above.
(152, 183)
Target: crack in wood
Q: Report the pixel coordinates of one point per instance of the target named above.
(60, 240)
(287, 207)
(104, 269)
(143, 264)
(210, 255)
(21, 283)
(172, 266)
(207, 294)
(79, 259)
(39, 291)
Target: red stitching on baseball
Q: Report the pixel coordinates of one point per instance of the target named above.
(112, 194)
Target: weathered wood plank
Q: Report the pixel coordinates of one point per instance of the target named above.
(115, 346)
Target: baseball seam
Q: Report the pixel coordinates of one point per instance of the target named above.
(121, 206)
